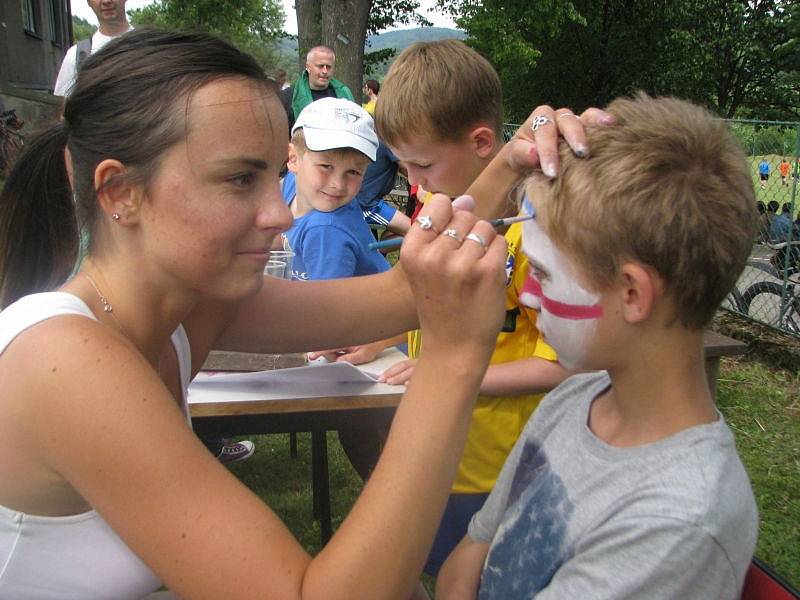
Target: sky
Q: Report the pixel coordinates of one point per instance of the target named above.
(81, 9)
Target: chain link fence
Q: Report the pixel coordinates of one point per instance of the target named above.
(768, 291)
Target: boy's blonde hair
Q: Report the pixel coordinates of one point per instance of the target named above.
(668, 186)
(438, 89)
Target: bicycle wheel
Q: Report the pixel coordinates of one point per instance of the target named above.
(735, 302)
(764, 301)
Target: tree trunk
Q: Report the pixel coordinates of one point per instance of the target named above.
(309, 28)
(344, 28)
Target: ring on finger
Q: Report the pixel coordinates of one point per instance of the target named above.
(426, 223)
(540, 121)
(567, 114)
(476, 237)
(452, 233)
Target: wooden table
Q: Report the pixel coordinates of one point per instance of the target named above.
(322, 414)
(317, 415)
(715, 346)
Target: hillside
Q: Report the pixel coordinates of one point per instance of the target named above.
(398, 40)
(402, 38)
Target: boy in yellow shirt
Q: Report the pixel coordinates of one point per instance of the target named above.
(441, 114)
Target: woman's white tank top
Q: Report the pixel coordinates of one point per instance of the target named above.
(76, 556)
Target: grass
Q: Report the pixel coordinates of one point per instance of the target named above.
(762, 406)
(774, 190)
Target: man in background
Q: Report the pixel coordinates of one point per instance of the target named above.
(112, 22)
(317, 81)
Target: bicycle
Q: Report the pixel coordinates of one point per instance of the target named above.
(11, 141)
(779, 301)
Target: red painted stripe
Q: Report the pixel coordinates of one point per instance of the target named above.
(562, 310)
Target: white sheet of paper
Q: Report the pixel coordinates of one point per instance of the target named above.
(313, 381)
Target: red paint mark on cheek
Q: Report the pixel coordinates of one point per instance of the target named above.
(562, 310)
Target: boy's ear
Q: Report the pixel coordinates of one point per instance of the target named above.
(294, 156)
(641, 288)
(483, 140)
(116, 194)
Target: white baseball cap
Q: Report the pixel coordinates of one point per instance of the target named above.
(332, 123)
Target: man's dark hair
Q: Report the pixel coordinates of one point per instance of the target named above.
(373, 85)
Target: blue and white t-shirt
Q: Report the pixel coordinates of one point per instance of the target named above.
(573, 517)
(331, 245)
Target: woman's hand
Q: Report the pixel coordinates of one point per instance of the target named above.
(455, 265)
(531, 147)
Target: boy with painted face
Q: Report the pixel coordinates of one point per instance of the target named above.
(626, 482)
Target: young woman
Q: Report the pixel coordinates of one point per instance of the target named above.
(160, 190)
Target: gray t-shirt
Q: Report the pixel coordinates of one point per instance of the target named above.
(572, 517)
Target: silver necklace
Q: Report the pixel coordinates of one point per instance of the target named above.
(107, 307)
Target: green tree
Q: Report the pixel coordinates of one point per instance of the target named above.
(255, 26)
(738, 57)
(81, 29)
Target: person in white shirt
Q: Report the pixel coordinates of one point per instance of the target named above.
(112, 21)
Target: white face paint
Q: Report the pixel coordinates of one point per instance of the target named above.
(568, 313)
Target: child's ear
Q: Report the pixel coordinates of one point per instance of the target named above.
(117, 195)
(641, 287)
(483, 140)
(294, 157)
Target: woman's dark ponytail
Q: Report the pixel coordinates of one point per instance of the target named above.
(39, 238)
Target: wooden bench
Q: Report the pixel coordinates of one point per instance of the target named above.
(715, 346)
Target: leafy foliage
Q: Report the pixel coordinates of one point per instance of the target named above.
(382, 15)
(82, 29)
(738, 57)
(253, 25)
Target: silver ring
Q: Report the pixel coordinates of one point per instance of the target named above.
(475, 237)
(452, 233)
(426, 223)
(567, 114)
(540, 121)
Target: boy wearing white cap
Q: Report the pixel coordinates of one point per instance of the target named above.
(333, 142)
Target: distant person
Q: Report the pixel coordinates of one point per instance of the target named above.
(772, 213)
(315, 82)
(783, 168)
(112, 22)
(781, 225)
(279, 77)
(378, 183)
(763, 222)
(371, 89)
(763, 172)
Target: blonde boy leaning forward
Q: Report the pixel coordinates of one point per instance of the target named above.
(441, 114)
(626, 484)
